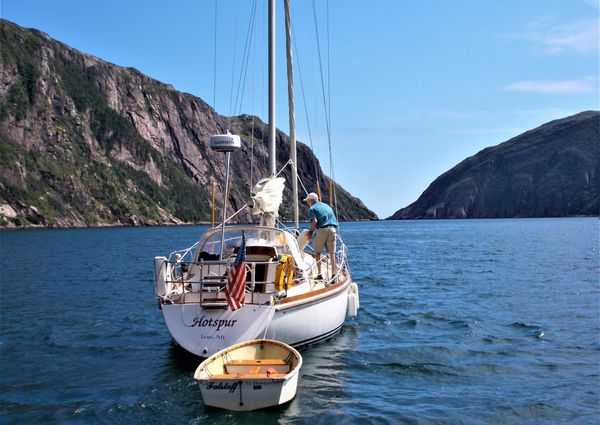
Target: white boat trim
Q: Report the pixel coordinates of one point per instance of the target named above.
(318, 295)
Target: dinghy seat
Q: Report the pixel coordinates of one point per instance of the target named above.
(265, 375)
(254, 366)
(259, 362)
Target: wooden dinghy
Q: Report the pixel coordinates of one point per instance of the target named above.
(250, 375)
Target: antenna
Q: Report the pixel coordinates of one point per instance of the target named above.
(225, 143)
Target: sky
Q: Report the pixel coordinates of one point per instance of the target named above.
(411, 87)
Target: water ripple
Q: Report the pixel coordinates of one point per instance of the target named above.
(468, 321)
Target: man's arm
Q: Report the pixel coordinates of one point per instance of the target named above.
(313, 225)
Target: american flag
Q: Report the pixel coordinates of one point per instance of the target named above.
(236, 280)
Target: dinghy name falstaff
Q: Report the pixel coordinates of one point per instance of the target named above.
(203, 322)
(222, 386)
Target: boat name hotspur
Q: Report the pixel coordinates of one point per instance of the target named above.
(203, 322)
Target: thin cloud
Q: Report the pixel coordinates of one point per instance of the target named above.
(593, 3)
(433, 115)
(406, 124)
(586, 85)
(550, 38)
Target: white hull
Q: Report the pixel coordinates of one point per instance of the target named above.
(204, 331)
(247, 394)
(291, 293)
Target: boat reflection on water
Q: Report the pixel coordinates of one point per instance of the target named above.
(180, 360)
(325, 375)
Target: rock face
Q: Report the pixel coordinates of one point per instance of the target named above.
(551, 171)
(84, 142)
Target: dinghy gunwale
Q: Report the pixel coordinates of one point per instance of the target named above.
(202, 374)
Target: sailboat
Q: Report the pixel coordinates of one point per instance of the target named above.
(282, 297)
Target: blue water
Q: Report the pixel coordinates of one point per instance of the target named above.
(464, 321)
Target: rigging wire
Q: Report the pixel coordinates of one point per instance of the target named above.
(312, 148)
(233, 66)
(332, 187)
(328, 66)
(251, 182)
(215, 62)
(327, 112)
(263, 81)
(321, 69)
(245, 60)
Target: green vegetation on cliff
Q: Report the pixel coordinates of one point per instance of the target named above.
(84, 142)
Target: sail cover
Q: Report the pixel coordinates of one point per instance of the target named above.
(267, 196)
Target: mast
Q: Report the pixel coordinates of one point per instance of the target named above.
(292, 111)
(272, 127)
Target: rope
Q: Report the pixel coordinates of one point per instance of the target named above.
(268, 319)
(302, 184)
(234, 214)
(184, 251)
(284, 167)
(282, 224)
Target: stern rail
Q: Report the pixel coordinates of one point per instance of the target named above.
(204, 281)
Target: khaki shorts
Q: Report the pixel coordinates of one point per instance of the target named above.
(325, 237)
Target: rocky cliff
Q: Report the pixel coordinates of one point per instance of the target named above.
(551, 171)
(85, 142)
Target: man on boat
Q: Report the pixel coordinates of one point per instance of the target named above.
(323, 219)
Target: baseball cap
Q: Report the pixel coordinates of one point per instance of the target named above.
(312, 196)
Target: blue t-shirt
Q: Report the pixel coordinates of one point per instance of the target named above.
(323, 214)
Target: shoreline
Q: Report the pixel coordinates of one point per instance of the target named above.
(204, 223)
